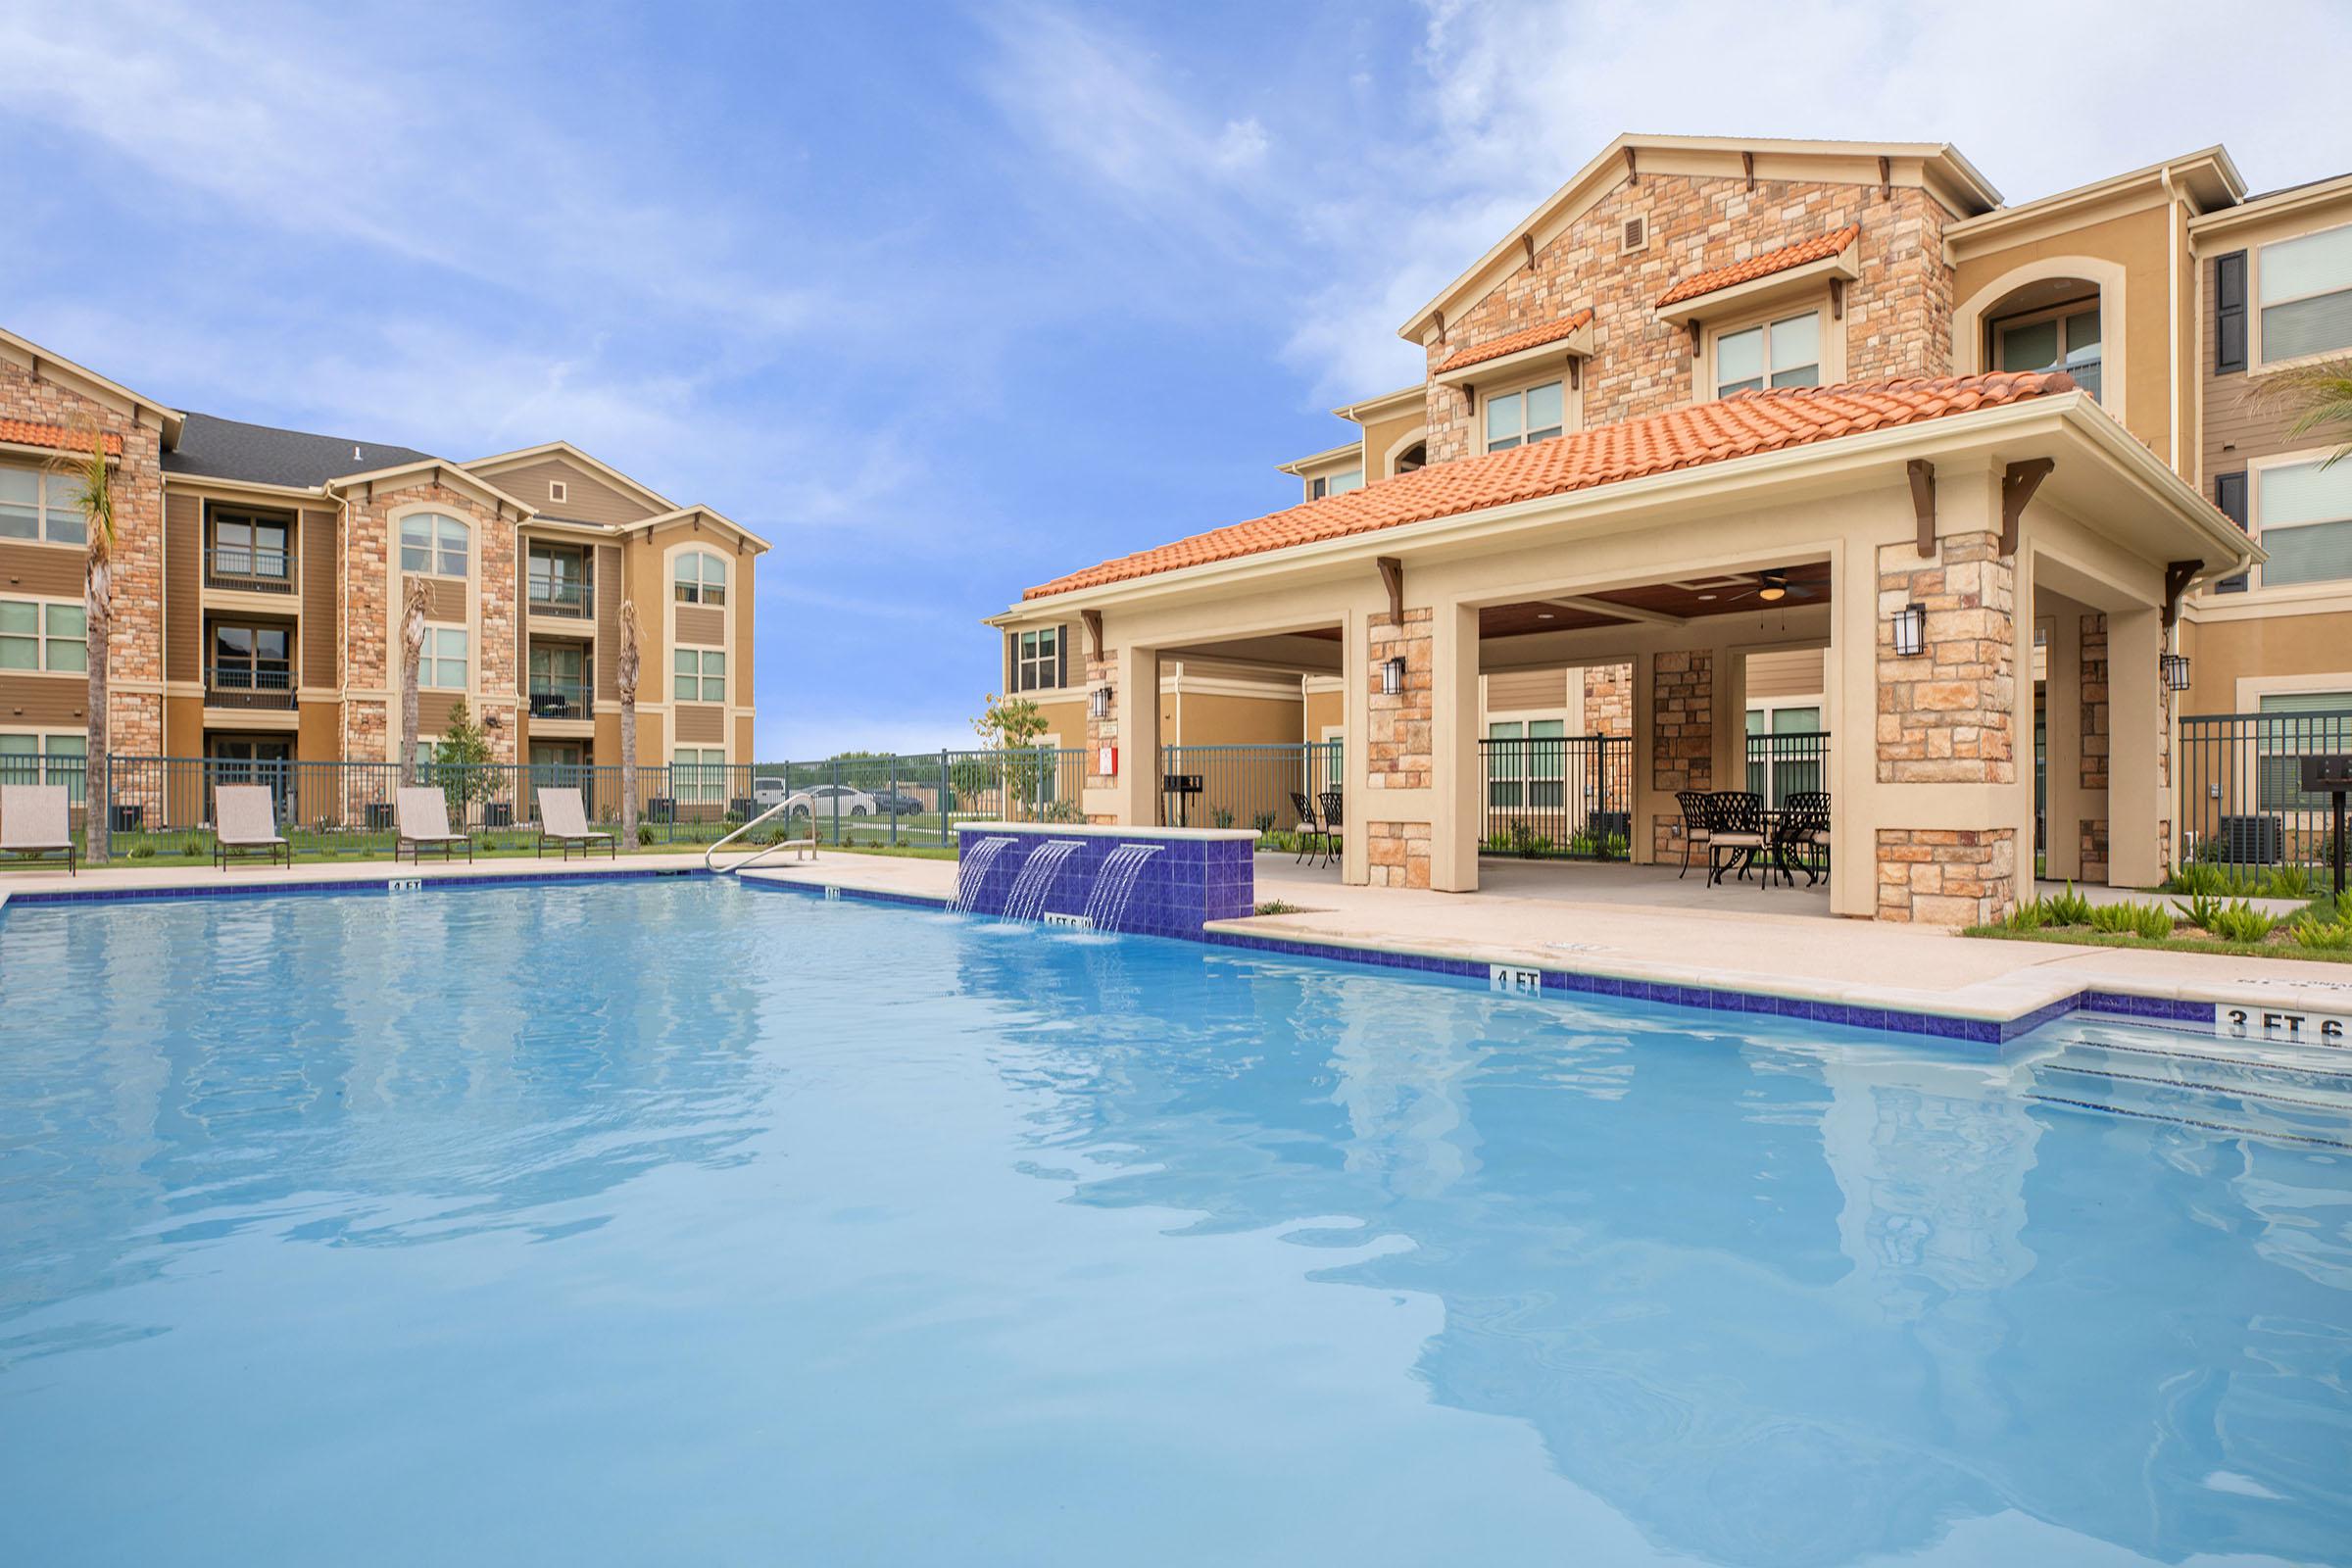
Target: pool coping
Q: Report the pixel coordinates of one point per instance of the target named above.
(379, 878)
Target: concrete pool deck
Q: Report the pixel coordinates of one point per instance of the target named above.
(129, 878)
(1641, 924)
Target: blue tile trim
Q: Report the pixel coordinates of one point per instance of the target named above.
(260, 889)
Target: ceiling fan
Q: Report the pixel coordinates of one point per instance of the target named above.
(1774, 587)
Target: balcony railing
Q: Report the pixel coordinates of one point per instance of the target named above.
(558, 698)
(249, 686)
(567, 599)
(249, 571)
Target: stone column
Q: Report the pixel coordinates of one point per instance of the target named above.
(1457, 786)
(1130, 797)
(2090, 824)
(1100, 732)
(1682, 740)
(1395, 815)
(1948, 718)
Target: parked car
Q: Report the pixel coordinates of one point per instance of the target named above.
(897, 803)
(831, 799)
(767, 792)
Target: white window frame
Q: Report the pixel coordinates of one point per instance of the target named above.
(1488, 396)
(1035, 668)
(1525, 780)
(43, 639)
(437, 546)
(1829, 368)
(558, 492)
(51, 500)
(698, 588)
(47, 765)
(2257, 472)
(700, 679)
(704, 768)
(1338, 484)
(429, 662)
(2088, 305)
(1769, 708)
(2257, 356)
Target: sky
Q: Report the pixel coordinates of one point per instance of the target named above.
(945, 300)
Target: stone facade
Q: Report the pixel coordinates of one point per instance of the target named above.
(1100, 671)
(1935, 877)
(1949, 716)
(1897, 317)
(1681, 737)
(1608, 698)
(1399, 752)
(135, 650)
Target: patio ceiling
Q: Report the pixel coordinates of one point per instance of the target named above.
(1689, 598)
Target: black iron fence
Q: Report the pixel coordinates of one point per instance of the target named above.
(2242, 804)
(1781, 766)
(1246, 786)
(1566, 795)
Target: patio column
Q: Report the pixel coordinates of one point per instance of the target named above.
(1680, 740)
(2139, 792)
(1395, 816)
(2092, 724)
(1456, 782)
(1130, 796)
(2063, 796)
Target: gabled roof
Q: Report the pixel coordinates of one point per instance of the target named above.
(1820, 248)
(90, 383)
(435, 471)
(565, 449)
(213, 448)
(1519, 342)
(698, 514)
(1740, 425)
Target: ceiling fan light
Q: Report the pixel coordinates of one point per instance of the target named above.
(1772, 593)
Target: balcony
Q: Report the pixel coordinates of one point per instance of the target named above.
(566, 598)
(559, 698)
(267, 688)
(245, 569)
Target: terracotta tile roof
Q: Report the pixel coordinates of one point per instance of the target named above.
(1533, 337)
(1737, 426)
(57, 437)
(1764, 266)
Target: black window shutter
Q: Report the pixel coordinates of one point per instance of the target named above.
(1062, 657)
(2229, 318)
(1012, 662)
(2229, 494)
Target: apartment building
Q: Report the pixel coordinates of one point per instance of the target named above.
(1731, 434)
(258, 588)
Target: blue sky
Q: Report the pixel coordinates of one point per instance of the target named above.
(948, 298)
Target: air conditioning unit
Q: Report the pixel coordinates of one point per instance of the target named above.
(2252, 840)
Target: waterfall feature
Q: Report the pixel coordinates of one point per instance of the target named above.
(971, 873)
(1027, 900)
(1115, 883)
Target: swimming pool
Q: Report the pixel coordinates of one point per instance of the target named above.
(682, 1222)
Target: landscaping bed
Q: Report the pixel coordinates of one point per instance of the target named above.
(2194, 923)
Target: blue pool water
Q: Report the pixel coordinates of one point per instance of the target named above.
(682, 1222)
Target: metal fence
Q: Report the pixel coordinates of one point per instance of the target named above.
(1246, 786)
(1566, 795)
(2243, 802)
(1781, 766)
(917, 797)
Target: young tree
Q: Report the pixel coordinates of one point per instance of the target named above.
(418, 597)
(2321, 398)
(627, 668)
(93, 496)
(462, 758)
(1009, 726)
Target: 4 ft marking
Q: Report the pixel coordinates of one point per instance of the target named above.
(1514, 982)
(2282, 1026)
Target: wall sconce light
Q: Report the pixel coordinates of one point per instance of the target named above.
(2175, 668)
(1391, 676)
(1911, 631)
(1097, 703)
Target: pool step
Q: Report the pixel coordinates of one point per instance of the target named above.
(2221, 1086)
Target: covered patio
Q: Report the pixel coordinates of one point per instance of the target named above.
(1913, 531)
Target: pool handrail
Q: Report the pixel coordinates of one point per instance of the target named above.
(806, 846)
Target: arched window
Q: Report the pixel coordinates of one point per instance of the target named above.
(702, 578)
(1413, 457)
(434, 544)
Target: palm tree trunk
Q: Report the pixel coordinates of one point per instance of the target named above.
(628, 770)
(96, 810)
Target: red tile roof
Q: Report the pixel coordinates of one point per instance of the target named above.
(1533, 337)
(1764, 266)
(1737, 426)
(58, 437)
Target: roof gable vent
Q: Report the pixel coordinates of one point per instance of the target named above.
(1634, 235)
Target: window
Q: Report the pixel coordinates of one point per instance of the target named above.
(1781, 353)
(43, 634)
(1516, 418)
(558, 580)
(1784, 750)
(699, 675)
(558, 490)
(434, 545)
(46, 759)
(2065, 339)
(699, 774)
(37, 505)
(2303, 516)
(1335, 484)
(700, 579)
(2293, 725)
(252, 658)
(1525, 762)
(2304, 289)
(442, 665)
(558, 683)
(1037, 659)
(248, 545)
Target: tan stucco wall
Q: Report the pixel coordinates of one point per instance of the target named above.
(2222, 653)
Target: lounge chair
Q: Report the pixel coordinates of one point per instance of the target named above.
(563, 820)
(245, 823)
(36, 820)
(423, 816)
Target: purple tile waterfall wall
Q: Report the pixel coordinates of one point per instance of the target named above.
(1190, 876)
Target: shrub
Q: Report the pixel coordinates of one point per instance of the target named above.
(1223, 815)
(1277, 907)
(144, 849)
(2240, 921)
(2151, 920)
(1263, 821)
(2068, 908)
(2200, 909)
(2286, 882)
(2030, 914)
(2323, 936)
(645, 834)
(2201, 880)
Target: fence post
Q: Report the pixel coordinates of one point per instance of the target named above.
(894, 800)
(108, 804)
(837, 799)
(946, 838)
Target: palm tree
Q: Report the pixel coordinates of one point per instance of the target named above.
(2320, 396)
(417, 596)
(93, 496)
(626, 668)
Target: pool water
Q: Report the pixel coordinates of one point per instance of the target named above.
(684, 1222)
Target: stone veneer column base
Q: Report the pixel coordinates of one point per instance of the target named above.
(1399, 853)
(1946, 876)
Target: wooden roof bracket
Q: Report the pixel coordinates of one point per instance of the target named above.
(1094, 632)
(1441, 318)
(2017, 484)
(1747, 167)
(1529, 240)
(1837, 298)
(2177, 575)
(1392, 577)
(1923, 502)
(1885, 177)
(1633, 176)
(1576, 372)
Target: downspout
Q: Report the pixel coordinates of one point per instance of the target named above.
(2172, 321)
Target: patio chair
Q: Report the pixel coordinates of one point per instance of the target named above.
(1792, 835)
(1815, 804)
(564, 822)
(423, 816)
(1331, 801)
(1694, 825)
(1735, 832)
(35, 821)
(245, 823)
(1310, 827)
